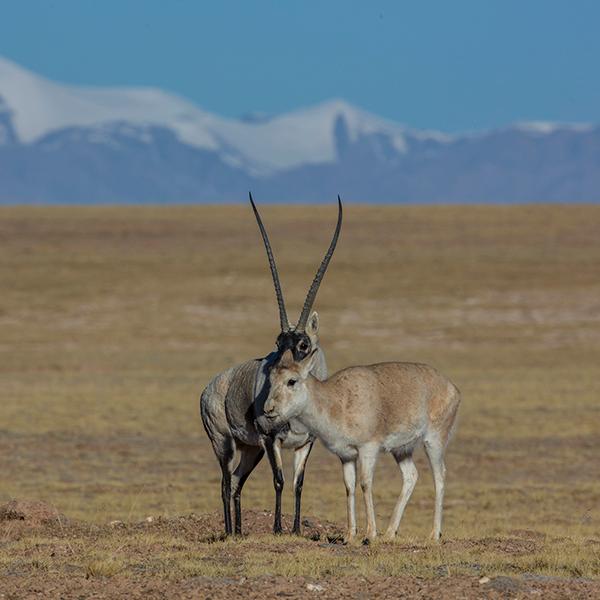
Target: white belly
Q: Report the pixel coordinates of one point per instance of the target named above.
(402, 440)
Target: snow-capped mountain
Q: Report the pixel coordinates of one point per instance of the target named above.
(40, 107)
(65, 143)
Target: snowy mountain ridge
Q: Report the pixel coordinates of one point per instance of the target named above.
(61, 143)
(40, 106)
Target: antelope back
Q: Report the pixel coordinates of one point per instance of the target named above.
(387, 397)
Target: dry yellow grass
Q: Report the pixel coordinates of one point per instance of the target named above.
(112, 320)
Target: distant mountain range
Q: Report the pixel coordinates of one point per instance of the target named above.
(70, 144)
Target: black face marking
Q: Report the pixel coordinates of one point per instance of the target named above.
(298, 343)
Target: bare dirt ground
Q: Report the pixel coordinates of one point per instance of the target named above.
(112, 320)
(58, 571)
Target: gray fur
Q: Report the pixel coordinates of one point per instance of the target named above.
(231, 407)
(232, 404)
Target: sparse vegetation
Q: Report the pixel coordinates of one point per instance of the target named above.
(113, 319)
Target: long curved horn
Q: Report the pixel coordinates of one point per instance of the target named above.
(285, 325)
(314, 288)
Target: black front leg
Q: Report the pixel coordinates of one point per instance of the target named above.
(278, 484)
(300, 458)
(273, 448)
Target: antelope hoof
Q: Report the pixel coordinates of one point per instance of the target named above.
(349, 538)
(369, 539)
(435, 536)
(389, 536)
(277, 530)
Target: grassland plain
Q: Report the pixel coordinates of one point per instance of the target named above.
(112, 320)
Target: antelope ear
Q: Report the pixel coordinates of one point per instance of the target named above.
(287, 359)
(312, 327)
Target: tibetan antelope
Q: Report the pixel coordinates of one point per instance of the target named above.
(359, 412)
(231, 405)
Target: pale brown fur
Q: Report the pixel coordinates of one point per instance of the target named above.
(363, 410)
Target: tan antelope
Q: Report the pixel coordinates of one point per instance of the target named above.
(231, 405)
(359, 412)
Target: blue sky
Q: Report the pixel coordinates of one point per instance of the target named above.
(451, 65)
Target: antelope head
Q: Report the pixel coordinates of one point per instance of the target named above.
(288, 393)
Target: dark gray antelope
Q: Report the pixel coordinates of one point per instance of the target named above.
(231, 405)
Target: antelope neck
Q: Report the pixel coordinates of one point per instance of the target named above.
(315, 414)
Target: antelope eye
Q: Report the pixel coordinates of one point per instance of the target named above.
(303, 346)
(291, 382)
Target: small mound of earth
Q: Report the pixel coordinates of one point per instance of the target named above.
(209, 527)
(261, 521)
(32, 512)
